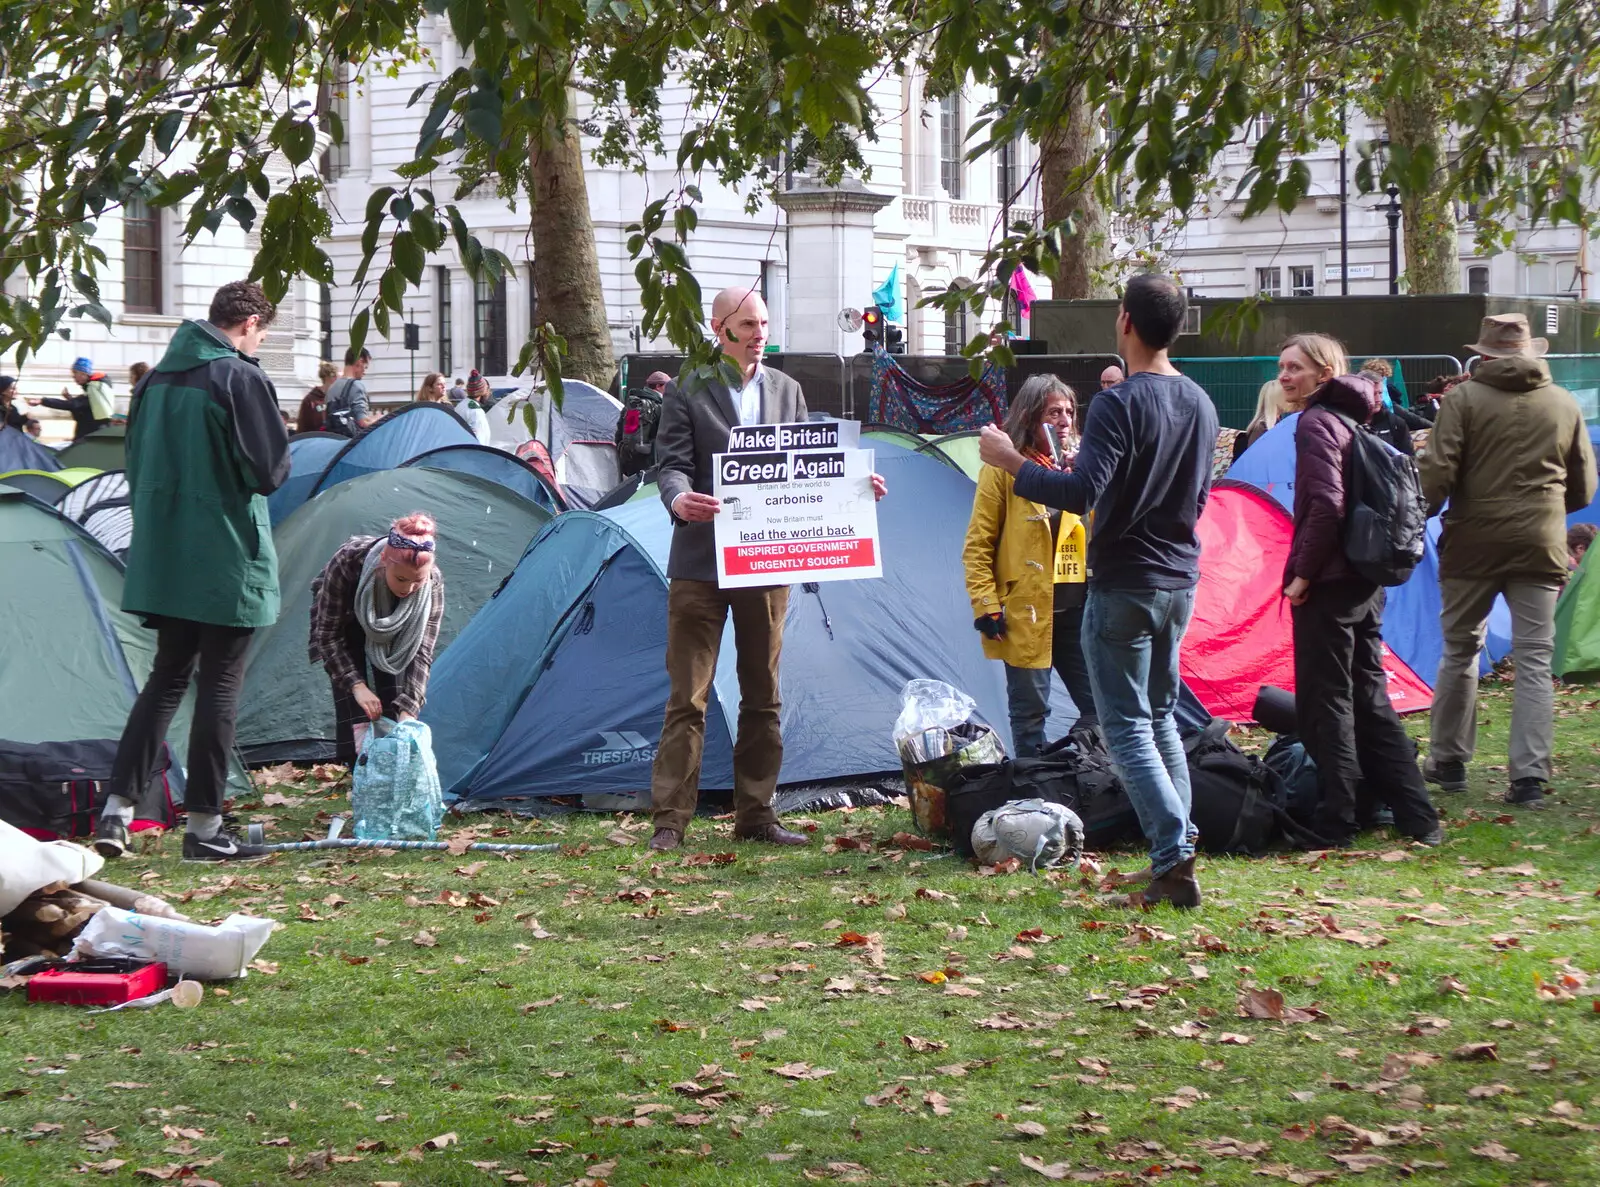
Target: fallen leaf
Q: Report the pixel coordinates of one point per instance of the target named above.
(1050, 1170)
(1235, 1040)
(923, 1045)
(1484, 1091)
(1481, 1052)
(441, 1141)
(1233, 1148)
(539, 1005)
(425, 939)
(1450, 983)
(126, 1085)
(1029, 1129)
(939, 1103)
(800, 1071)
(1495, 1152)
(1358, 1163)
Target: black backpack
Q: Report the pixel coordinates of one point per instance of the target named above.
(1236, 800)
(1071, 773)
(1385, 517)
(636, 431)
(54, 790)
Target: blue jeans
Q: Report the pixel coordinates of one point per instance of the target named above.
(1028, 689)
(1131, 640)
(1028, 705)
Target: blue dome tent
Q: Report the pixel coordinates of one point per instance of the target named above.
(558, 686)
(496, 465)
(309, 455)
(397, 438)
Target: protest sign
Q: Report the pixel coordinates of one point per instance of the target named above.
(797, 506)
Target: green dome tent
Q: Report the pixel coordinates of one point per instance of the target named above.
(67, 687)
(104, 449)
(1577, 655)
(286, 708)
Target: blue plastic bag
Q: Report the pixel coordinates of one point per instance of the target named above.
(394, 791)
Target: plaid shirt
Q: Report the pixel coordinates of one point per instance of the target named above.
(334, 627)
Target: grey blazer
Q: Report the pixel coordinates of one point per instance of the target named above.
(694, 427)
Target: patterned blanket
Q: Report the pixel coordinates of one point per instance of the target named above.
(901, 400)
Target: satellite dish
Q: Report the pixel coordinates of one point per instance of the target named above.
(850, 320)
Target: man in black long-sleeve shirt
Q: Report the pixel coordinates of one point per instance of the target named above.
(1144, 469)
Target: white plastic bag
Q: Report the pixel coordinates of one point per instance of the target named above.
(27, 864)
(929, 705)
(192, 949)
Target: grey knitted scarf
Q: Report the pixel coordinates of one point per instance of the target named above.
(393, 639)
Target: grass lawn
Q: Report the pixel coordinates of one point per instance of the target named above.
(597, 1016)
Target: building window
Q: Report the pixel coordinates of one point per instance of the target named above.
(447, 319)
(325, 322)
(955, 330)
(333, 112)
(1007, 178)
(141, 257)
(950, 163)
(1269, 282)
(1302, 281)
(1478, 280)
(490, 325)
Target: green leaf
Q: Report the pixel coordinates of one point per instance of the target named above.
(409, 256)
(299, 142)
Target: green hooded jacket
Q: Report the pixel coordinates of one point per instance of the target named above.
(1510, 452)
(206, 444)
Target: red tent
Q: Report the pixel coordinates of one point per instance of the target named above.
(1241, 637)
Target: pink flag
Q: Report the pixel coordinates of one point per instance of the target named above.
(1023, 289)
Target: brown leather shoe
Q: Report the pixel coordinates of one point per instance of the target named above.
(666, 838)
(772, 834)
(1177, 886)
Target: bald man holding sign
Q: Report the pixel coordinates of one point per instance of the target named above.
(696, 420)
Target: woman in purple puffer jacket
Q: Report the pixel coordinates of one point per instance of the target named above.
(1348, 725)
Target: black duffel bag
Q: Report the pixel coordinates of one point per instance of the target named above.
(1237, 801)
(1073, 772)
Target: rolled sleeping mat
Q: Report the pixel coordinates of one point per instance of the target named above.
(1274, 708)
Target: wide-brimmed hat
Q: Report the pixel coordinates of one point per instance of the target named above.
(1505, 334)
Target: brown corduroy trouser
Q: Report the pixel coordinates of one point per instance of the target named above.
(696, 613)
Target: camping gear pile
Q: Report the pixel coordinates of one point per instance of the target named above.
(1044, 810)
(48, 895)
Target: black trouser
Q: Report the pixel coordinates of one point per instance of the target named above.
(180, 645)
(1066, 657)
(1349, 727)
(346, 712)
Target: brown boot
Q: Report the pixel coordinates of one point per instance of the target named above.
(1177, 886)
(666, 838)
(772, 834)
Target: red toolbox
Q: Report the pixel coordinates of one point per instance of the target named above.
(103, 982)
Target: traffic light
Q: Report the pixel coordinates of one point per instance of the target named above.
(872, 326)
(894, 338)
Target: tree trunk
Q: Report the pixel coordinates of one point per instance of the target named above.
(1067, 191)
(1428, 216)
(566, 267)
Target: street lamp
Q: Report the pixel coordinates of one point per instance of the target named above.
(1391, 211)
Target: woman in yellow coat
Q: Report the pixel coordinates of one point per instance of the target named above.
(1026, 572)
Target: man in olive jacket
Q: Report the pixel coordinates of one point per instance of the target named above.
(206, 443)
(1510, 452)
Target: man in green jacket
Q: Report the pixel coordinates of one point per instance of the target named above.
(206, 444)
(1510, 452)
